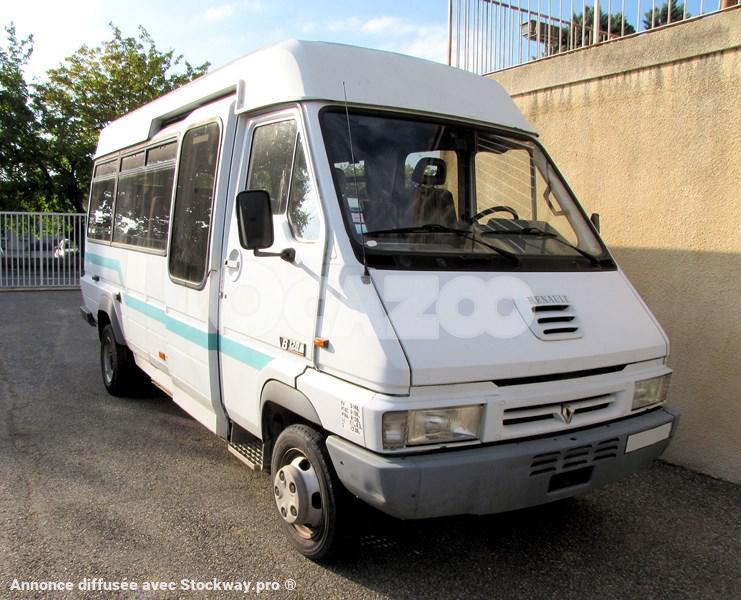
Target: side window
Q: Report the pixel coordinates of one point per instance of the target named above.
(303, 209)
(133, 161)
(270, 161)
(100, 210)
(162, 153)
(191, 219)
(130, 226)
(143, 197)
(143, 208)
(158, 186)
(351, 183)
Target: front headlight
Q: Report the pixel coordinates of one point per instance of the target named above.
(651, 391)
(431, 426)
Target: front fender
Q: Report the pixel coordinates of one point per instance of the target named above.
(289, 398)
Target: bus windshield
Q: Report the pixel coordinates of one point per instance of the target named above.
(430, 194)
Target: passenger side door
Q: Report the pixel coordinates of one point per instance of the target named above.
(268, 312)
(191, 292)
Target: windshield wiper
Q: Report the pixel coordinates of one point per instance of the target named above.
(426, 228)
(437, 228)
(546, 234)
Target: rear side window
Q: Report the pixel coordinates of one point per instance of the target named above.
(143, 208)
(162, 153)
(191, 219)
(273, 146)
(100, 213)
(132, 161)
(104, 169)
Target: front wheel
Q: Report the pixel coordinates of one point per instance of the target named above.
(310, 499)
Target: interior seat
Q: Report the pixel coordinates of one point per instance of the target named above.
(432, 204)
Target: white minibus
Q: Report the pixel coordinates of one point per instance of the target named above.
(364, 272)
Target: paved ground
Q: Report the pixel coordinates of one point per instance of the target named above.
(134, 489)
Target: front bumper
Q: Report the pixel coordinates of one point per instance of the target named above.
(502, 477)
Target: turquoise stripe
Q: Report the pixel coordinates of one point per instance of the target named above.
(198, 337)
(108, 263)
(185, 331)
(210, 341)
(244, 354)
(249, 356)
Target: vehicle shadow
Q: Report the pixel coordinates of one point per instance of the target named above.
(486, 556)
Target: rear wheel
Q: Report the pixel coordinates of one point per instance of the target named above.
(117, 365)
(310, 499)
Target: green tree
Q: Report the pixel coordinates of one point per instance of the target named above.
(23, 175)
(661, 15)
(587, 20)
(93, 87)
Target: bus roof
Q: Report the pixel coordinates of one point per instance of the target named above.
(293, 70)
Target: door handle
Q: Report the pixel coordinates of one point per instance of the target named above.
(95, 278)
(231, 263)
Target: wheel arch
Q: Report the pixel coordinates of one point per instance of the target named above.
(107, 315)
(280, 406)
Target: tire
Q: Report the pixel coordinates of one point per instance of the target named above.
(315, 528)
(117, 365)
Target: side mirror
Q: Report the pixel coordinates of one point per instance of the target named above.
(255, 219)
(595, 220)
(255, 224)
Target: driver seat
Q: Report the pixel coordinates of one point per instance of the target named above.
(432, 204)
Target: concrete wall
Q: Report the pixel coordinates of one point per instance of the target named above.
(648, 132)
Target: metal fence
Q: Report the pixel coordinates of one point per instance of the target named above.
(41, 250)
(490, 35)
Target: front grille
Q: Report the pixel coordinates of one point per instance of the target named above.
(557, 414)
(571, 458)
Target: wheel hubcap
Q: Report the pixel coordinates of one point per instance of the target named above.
(297, 494)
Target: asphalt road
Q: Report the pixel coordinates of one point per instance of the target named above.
(134, 489)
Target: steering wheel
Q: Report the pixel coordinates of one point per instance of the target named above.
(493, 209)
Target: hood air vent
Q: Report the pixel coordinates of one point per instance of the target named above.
(550, 321)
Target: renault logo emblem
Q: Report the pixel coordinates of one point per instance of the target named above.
(567, 413)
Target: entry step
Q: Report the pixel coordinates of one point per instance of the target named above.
(250, 452)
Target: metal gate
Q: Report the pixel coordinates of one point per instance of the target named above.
(41, 250)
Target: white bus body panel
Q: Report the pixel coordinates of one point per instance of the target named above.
(446, 345)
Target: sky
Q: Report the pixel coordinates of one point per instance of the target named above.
(218, 31)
